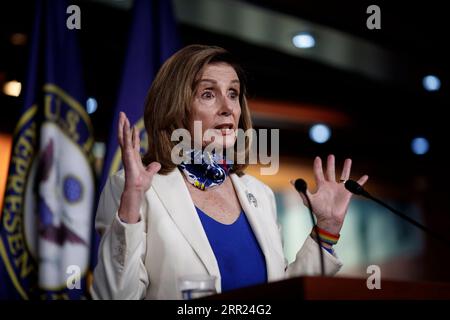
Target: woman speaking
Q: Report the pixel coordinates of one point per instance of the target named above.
(160, 220)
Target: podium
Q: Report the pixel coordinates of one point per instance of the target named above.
(337, 288)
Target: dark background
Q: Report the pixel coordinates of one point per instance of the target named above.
(384, 116)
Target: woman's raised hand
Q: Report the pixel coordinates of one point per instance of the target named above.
(138, 178)
(331, 199)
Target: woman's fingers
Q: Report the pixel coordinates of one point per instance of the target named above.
(331, 175)
(363, 179)
(345, 175)
(133, 136)
(128, 139)
(318, 171)
(127, 135)
(120, 128)
(153, 168)
(136, 140)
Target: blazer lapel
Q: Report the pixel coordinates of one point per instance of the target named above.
(173, 193)
(249, 202)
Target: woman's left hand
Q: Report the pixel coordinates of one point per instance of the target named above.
(331, 199)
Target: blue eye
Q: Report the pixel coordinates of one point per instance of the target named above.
(234, 94)
(207, 95)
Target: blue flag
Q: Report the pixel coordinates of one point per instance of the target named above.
(46, 225)
(153, 39)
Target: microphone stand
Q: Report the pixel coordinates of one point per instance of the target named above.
(300, 186)
(357, 189)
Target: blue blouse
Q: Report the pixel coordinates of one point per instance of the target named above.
(239, 256)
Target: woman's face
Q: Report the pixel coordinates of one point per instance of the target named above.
(216, 105)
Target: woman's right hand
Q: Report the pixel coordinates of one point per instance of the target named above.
(138, 178)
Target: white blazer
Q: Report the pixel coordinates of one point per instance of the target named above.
(144, 260)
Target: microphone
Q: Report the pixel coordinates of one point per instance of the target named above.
(355, 188)
(301, 186)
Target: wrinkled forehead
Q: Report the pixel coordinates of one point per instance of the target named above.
(218, 72)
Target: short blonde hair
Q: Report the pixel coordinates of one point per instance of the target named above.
(169, 100)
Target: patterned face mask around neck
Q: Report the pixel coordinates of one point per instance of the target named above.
(205, 170)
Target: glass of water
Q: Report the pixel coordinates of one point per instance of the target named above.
(197, 286)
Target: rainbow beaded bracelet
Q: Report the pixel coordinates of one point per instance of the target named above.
(325, 236)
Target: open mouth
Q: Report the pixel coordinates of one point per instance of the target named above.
(225, 129)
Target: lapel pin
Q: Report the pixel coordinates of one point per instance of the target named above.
(252, 199)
